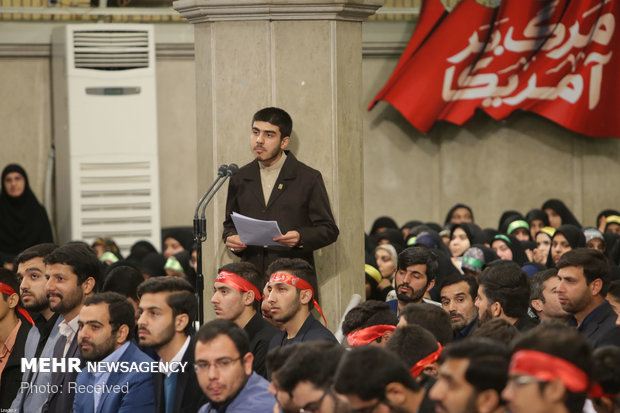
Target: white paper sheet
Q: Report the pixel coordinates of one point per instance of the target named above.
(256, 232)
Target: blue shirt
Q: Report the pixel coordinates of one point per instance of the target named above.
(253, 398)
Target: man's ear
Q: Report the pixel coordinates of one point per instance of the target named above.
(180, 322)
(122, 333)
(596, 286)
(537, 305)
(284, 142)
(13, 300)
(487, 401)
(247, 362)
(430, 285)
(248, 298)
(305, 296)
(395, 393)
(496, 309)
(555, 391)
(386, 336)
(88, 286)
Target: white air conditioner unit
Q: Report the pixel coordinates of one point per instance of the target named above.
(105, 133)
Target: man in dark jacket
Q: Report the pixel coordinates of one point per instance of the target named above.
(584, 280)
(278, 187)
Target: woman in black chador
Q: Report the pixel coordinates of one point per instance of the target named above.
(23, 221)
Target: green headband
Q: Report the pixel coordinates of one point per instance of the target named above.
(108, 256)
(517, 224)
(174, 265)
(474, 262)
(503, 238)
(411, 241)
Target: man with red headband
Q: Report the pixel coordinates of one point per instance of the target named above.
(237, 297)
(13, 332)
(472, 375)
(371, 322)
(291, 292)
(549, 371)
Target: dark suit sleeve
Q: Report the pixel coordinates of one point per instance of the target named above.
(323, 230)
(231, 205)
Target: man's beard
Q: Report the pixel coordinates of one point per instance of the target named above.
(415, 297)
(166, 337)
(485, 316)
(68, 303)
(101, 351)
(39, 304)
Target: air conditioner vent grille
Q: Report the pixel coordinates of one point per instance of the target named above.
(111, 50)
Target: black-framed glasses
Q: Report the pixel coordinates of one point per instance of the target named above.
(219, 364)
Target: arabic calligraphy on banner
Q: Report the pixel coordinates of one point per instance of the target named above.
(557, 58)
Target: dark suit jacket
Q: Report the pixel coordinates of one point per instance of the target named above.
(599, 323)
(138, 398)
(62, 401)
(188, 397)
(311, 330)
(298, 202)
(12, 373)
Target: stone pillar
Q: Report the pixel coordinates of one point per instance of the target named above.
(304, 56)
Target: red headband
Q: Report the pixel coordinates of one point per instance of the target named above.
(546, 367)
(282, 277)
(431, 358)
(597, 392)
(368, 335)
(6, 289)
(238, 283)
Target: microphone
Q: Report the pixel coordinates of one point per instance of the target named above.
(221, 173)
(232, 169)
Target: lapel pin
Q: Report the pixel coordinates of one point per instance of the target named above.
(280, 187)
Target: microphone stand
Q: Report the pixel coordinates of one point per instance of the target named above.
(200, 235)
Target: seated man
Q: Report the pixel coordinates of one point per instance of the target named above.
(224, 368)
(370, 322)
(415, 276)
(549, 371)
(458, 294)
(276, 359)
(430, 317)
(544, 297)
(291, 293)
(417, 347)
(106, 323)
(237, 297)
(472, 375)
(605, 391)
(374, 379)
(308, 374)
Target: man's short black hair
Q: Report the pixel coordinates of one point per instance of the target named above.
(299, 268)
(36, 251)
(365, 371)
(488, 362)
(124, 279)
(314, 362)
(457, 278)
(594, 264)
(277, 357)
(275, 116)
(419, 255)
(248, 272)
(536, 283)
(411, 343)
(564, 342)
(430, 317)
(209, 331)
(506, 283)
(182, 297)
(120, 310)
(82, 260)
(497, 329)
(369, 313)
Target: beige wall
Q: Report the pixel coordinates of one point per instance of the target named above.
(492, 166)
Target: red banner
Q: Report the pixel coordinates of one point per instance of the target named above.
(557, 58)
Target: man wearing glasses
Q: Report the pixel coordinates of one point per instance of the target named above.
(224, 369)
(549, 371)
